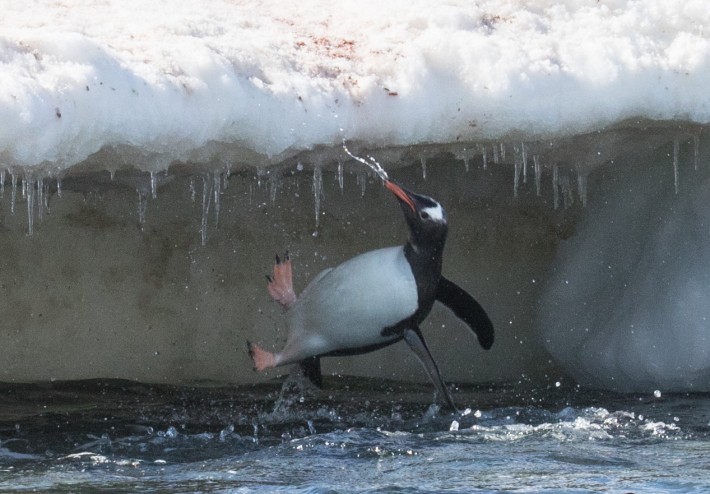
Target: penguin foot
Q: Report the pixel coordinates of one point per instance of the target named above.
(262, 359)
(280, 285)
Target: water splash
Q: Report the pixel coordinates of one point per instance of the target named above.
(372, 164)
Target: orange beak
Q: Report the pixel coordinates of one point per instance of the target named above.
(400, 193)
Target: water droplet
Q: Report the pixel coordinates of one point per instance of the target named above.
(657, 393)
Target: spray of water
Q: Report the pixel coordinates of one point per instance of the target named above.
(370, 162)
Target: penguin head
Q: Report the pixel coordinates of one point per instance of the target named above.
(425, 217)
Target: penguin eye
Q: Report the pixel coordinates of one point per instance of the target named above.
(424, 215)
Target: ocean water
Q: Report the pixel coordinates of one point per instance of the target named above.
(355, 435)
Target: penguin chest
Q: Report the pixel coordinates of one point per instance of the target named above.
(349, 306)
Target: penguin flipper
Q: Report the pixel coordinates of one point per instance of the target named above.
(311, 369)
(467, 309)
(415, 340)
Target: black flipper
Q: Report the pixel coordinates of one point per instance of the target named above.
(467, 309)
(311, 370)
(414, 339)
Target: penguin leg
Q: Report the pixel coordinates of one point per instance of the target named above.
(280, 285)
(414, 339)
(311, 369)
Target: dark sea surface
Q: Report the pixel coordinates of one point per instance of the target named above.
(355, 435)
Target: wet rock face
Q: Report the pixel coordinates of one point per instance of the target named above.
(161, 277)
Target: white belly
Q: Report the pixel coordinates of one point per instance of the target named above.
(348, 306)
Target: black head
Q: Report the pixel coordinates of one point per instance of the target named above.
(425, 217)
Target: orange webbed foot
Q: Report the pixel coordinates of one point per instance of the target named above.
(262, 359)
(280, 285)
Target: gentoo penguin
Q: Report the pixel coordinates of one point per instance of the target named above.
(374, 300)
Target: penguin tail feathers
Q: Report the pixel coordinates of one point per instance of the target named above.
(262, 359)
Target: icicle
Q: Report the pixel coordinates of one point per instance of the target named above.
(525, 162)
(362, 182)
(502, 151)
(217, 189)
(485, 157)
(676, 146)
(567, 191)
(24, 187)
(582, 188)
(2, 183)
(555, 185)
(466, 163)
(496, 155)
(273, 187)
(317, 191)
(40, 199)
(516, 174)
(153, 185)
(46, 198)
(261, 172)
(206, 199)
(112, 174)
(225, 178)
(191, 189)
(13, 193)
(340, 174)
(59, 187)
(538, 175)
(28, 184)
(422, 159)
(696, 151)
(142, 207)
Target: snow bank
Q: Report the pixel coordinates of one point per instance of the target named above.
(254, 82)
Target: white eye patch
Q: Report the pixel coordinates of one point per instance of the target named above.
(436, 213)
